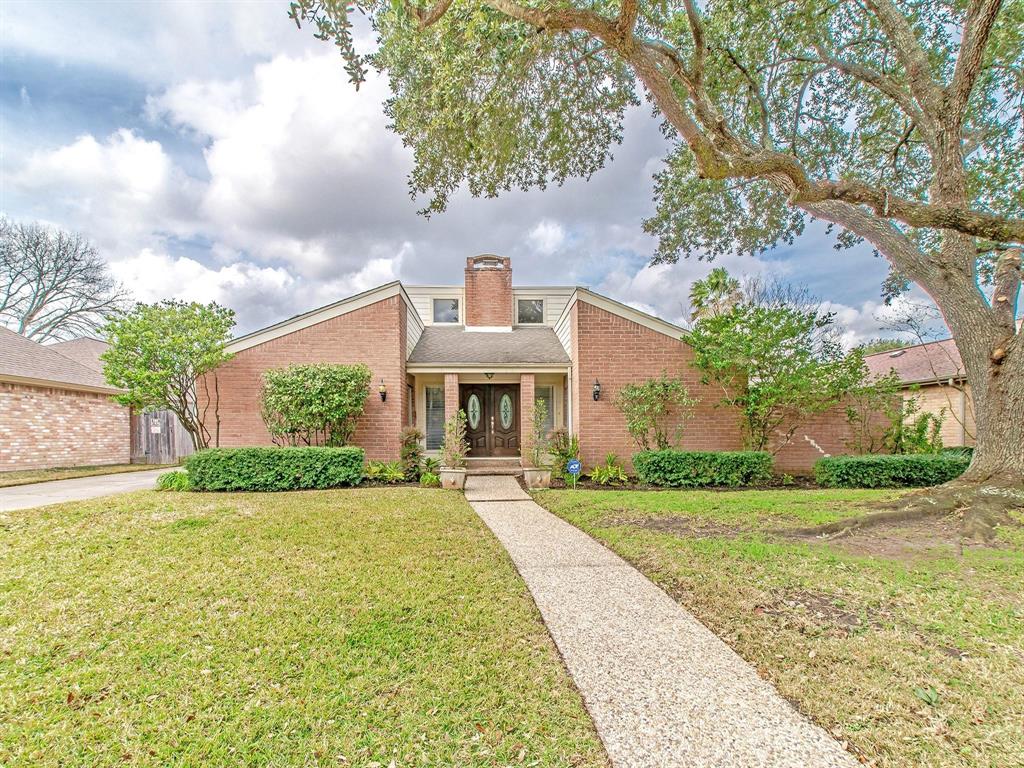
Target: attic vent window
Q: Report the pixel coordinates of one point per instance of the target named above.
(897, 353)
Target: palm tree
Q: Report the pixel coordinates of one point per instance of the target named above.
(717, 293)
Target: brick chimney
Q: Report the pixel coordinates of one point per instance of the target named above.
(489, 291)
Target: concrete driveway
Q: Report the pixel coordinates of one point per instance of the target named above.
(76, 489)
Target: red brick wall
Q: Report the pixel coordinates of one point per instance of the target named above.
(451, 395)
(825, 434)
(617, 351)
(45, 427)
(374, 335)
(489, 294)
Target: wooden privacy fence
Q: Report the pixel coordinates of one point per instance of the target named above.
(158, 438)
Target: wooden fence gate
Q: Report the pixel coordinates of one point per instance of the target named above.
(158, 438)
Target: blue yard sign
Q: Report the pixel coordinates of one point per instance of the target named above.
(574, 467)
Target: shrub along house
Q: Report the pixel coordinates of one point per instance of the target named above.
(493, 349)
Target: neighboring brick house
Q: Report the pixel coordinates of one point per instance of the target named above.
(493, 349)
(933, 374)
(55, 406)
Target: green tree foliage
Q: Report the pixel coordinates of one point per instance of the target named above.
(316, 404)
(913, 431)
(777, 365)
(165, 355)
(897, 122)
(874, 346)
(717, 293)
(655, 411)
(873, 406)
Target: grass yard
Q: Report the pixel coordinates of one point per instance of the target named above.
(28, 476)
(898, 642)
(360, 627)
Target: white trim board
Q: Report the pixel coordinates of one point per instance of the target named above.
(623, 310)
(321, 314)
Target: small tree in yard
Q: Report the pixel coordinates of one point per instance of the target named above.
(539, 433)
(316, 404)
(655, 411)
(455, 447)
(165, 355)
(873, 406)
(777, 365)
(411, 453)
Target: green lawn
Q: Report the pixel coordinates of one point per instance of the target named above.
(361, 627)
(907, 649)
(28, 476)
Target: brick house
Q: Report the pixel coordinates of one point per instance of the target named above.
(493, 349)
(55, 406)
(933, 374)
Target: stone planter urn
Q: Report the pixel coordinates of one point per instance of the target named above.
(535, 477)
(453, 479)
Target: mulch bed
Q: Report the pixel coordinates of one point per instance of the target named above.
(777, 483)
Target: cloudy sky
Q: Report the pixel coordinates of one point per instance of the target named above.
(213, 151)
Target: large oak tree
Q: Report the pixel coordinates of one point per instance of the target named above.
(898, 121)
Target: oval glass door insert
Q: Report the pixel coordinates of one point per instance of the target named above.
(505, 410)
(473, 411)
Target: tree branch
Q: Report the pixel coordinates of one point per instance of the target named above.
(1007, 279)
(981, 17)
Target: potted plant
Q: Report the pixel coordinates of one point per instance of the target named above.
(536, 474)
(453, 452)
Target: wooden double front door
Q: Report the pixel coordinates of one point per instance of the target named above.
(492, 418)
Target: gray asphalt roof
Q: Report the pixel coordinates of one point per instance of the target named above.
(531, 346)
(25, 358)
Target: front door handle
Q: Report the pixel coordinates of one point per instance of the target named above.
(492, 425)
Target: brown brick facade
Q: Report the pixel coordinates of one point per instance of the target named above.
(488, 292)
(374, 335)
(43, 427)
(616, 351)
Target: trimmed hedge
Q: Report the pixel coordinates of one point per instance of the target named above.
(274, 469)
(692, 469)
(899, 471)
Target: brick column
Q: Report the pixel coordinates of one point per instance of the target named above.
(451, 395)
(526, 399)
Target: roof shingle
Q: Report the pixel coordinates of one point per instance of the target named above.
(24, 358)
(529, 346)
(934, 361)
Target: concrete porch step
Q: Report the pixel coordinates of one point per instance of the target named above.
(507, 471)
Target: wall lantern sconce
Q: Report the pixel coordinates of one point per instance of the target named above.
(597, 389)
(489, 376)
(383, 389)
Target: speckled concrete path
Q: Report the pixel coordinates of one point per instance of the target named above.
(662, 689)
(76, 489)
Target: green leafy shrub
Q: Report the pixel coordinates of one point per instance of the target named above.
(563, 447)
(539, 434)
(698, 468)
(411, 453)
(385, 471)
(655, 411)
(315, 404)
(455, 446)
(173, 481)
(609, 473)
(430, 464)
(274, 469)
(898, 471)
(430, 480)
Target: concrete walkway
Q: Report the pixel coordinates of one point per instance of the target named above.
(76, 489)
(662, 689)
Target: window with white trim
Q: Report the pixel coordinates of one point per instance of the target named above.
(530, 311)
(446, 311)
(435, 417)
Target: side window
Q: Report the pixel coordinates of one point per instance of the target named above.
(435, 417)
(446, 310)
(530, 311)
(544, 394)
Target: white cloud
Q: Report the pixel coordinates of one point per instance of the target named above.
(547, 237)
(26, 100)
(116, 189)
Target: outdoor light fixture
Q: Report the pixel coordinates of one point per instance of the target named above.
(383, 389)
(489, 376)
(597, 389)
